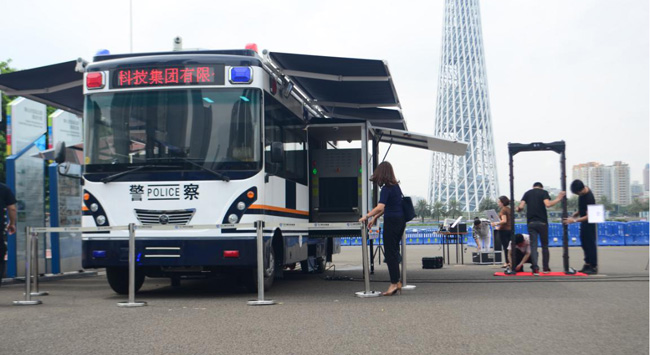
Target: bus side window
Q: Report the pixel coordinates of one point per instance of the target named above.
(281, 125)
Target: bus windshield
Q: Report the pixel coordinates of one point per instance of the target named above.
(218, 129)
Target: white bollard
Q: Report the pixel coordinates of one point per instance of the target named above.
(132, 302)
(260, 268)
(35, 272)
(28, 256)
(366, 267)
(405, 285)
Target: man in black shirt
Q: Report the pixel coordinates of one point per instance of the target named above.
(8, 201)
(587, 230)
(538, 200)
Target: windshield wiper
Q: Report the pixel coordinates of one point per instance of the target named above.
(120, 174)
(217, 174)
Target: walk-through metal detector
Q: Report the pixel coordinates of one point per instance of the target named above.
(558, 147)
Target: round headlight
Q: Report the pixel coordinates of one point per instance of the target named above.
(241, 205)
(100, 220)
(94, 207)
(233, 218)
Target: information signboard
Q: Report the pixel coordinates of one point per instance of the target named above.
(26, 122)
(64, 127)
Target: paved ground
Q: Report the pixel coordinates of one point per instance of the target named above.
(455, 310)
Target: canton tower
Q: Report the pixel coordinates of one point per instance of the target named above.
(463, 113)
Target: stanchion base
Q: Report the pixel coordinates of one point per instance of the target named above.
(364, 294)
(408, 287)
(27, 303)
(260, 303)
(41, 293)
(131, 304)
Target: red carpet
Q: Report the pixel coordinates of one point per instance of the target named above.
(552, 273)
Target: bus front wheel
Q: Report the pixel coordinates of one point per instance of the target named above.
(118, 279)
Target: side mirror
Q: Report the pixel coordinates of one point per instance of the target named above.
(277, 152)
(59, 152)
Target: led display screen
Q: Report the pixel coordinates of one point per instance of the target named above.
(168, 76)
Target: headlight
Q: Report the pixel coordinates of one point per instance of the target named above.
(233, 218)
(94, 207)
(100, 220)
(241, 205)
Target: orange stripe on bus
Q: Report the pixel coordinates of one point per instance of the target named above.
(279, 209)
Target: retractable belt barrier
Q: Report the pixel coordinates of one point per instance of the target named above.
(258, 226)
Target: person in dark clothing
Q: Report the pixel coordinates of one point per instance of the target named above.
(503, 228)
(537, 199)
(520, 253)
(7, 201)
(587, 230)
(390, 206)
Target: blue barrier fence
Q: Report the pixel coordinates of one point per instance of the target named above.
(609, 234)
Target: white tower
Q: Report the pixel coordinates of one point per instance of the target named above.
(463, 112)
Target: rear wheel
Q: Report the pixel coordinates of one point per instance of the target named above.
(118, 279)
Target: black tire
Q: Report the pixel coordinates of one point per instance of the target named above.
(250, 275)
(118, 279)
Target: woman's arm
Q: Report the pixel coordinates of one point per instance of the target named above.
(377, 211)
(503, 221)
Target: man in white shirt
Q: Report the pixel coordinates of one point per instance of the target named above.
(521, 253)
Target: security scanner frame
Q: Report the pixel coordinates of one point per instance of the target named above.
(558, 147)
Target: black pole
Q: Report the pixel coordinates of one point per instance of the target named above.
(565, 228)
(375, 197)
(512, 210)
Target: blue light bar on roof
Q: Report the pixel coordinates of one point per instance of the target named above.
(241, 75)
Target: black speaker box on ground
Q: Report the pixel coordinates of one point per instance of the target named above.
(432, 263)
(486, 257)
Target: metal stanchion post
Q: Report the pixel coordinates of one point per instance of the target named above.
(366, 271)
(260, 268)
(405, 285)
(132, 302)
(28, 295)
(35, 272)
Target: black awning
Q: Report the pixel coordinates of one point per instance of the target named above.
(346, 88)
(378, 117)
(57, 85)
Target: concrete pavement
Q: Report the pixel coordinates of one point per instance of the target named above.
(459, 309)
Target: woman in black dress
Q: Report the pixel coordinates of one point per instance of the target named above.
(390, 206)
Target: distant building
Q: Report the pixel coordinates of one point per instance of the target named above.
(611, 181)
(646, 181)
(636, 190)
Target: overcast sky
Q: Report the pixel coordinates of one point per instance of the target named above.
(574, 70)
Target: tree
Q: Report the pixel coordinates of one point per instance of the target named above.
(637, 206)
(572, 203)
(488, 204)
(453, 208)
(609, 206)
(438, 210)
(422, 209)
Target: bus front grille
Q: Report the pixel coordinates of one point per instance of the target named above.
(147, 217)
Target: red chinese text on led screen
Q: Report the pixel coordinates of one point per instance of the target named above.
(165, 76)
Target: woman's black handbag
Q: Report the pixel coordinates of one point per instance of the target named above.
(407, 208)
